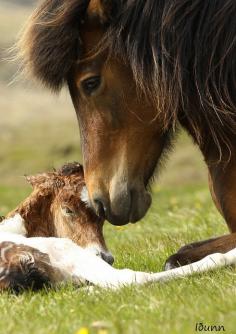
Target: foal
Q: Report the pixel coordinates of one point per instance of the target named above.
(55, 208)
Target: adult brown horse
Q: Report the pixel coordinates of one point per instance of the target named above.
(135, 70)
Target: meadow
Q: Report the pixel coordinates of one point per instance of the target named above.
(39, 131)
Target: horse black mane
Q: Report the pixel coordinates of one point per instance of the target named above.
(182, 54)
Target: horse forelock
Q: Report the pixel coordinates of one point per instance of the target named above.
(50, 42)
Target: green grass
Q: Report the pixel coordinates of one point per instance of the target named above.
(176, 217)
(39, 131)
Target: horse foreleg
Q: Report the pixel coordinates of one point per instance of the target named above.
(197, 251)
(222, 184)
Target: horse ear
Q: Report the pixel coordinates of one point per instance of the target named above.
(101, 9)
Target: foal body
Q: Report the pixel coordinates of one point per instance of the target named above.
(57, 260)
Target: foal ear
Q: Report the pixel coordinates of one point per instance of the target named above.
(101, 9)
(45, 180)
(37, 180)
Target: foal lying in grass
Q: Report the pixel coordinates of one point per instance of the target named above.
(32, 255)
(55, 208)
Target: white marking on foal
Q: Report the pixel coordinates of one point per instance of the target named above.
(3, 252)
(15, 225)
(3, 273)
(84, 196)
(210, 262)
(94, 249)
(97, 250)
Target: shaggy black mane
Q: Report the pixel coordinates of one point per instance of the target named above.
(50, 43)
(183, 57)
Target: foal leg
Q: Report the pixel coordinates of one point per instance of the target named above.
(79, 264)
(98, 272)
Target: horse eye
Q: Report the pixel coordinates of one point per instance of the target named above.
(67, 211)
(91, 84)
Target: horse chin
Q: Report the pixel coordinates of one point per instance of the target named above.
(140, 204)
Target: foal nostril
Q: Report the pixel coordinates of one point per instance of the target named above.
(108, 258)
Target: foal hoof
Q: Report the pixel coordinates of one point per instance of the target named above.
(172, 262)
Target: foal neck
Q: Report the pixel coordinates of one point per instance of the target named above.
(35, 211)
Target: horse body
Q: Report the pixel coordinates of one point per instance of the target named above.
(135, 70)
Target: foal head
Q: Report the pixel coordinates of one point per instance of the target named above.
(58, 207)
(121, 134)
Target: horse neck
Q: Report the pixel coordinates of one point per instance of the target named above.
(35, 210)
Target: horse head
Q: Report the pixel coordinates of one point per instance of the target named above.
(121, 132)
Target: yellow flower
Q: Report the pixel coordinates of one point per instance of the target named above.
(120, 228)
(83, 330)
(102, 331)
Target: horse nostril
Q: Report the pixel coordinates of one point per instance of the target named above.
(99, 207)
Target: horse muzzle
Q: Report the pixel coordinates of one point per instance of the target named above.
(122, 205)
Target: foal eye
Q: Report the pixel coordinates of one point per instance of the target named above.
(91, 84)
(67, 211)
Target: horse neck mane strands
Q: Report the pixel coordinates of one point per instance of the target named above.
(182, 54)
